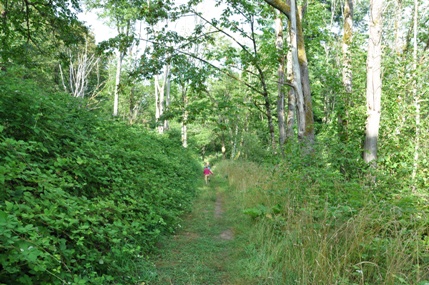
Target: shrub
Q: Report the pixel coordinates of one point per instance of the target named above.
(83, 198)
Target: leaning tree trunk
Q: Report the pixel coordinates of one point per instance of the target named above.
(301, 80)
(374, 82)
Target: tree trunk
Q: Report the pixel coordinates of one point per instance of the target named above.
(117, 82)
(185, 118)
(162, 96)
(416, 100)
(305, 81)
(167, 95)
(296, 70)
(374, 82)
(157, 99)
(300, 71)
(398, 27)
(281, 80)
(291, 102)
(347, 70)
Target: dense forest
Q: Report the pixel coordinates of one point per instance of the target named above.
(315, 112)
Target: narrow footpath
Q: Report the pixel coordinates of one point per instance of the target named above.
(209, 246)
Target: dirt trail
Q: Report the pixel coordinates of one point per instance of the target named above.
(206, 249)
(227, 234)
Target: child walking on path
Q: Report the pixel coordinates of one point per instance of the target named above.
(207, 173)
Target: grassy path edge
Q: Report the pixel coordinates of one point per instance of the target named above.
(210, 246)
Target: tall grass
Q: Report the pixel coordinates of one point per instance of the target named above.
(313, 227)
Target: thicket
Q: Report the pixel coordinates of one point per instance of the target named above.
(312, 225)
(83, 199)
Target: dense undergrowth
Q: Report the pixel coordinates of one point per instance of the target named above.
(82, 198)
(312, 226)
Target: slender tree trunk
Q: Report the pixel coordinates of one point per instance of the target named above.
(416, 100)
(161, 107)
(157, 99)
(398, 27)
(305, 81)
(281, 80)
(117, 82)
(167, 94)
(347, 70)
(291, 102)
(301, 80)
(374, 82)
(185, 118)
(162, 98)
(296, 71)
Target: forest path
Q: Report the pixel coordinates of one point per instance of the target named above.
(210, 244)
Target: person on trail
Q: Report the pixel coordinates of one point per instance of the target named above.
(207, 173)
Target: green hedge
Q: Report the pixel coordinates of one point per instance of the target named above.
(82, 199)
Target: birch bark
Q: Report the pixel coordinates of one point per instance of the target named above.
(296, 70)
(301, 82)
(117, 82)
(374, 82)
(281, 80)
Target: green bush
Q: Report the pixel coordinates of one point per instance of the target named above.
(82, 199)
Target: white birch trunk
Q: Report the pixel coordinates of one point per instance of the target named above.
(374, 82)
(162, 98)
(160, 107)
(157, 112)
(167, 94)
(117, 83)
(185, 118)
(281, 80)
(296, 71)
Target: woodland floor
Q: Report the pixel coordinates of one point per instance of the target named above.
(210, 246)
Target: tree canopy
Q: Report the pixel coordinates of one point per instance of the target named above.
(217, 78)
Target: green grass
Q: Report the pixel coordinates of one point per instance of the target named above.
(209, 246)
(289, 229)
(325, 230)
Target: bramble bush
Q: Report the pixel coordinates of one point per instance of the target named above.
(83, 199)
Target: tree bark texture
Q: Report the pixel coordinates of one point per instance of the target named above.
(185, 117)
(296, 71)
(117, 82)
(300, 70)
(162, 97)
(374, 82)
(291, 102)
(281, 80)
